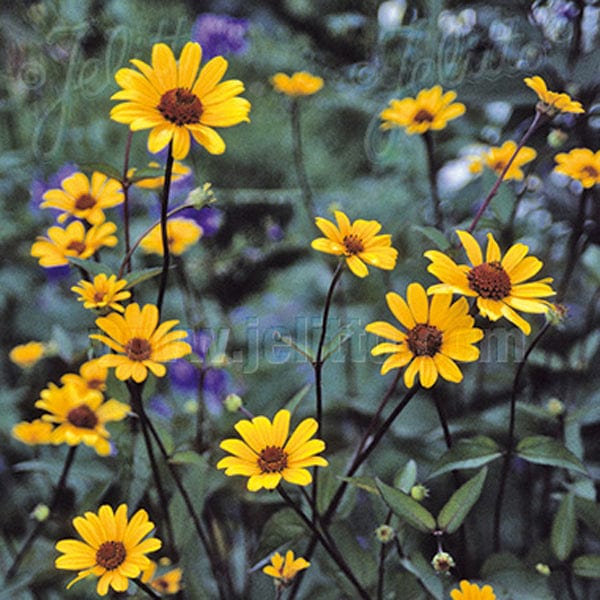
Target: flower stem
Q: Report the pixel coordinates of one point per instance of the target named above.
(537, 119)
(381, 567)
(164, 208)
(511, 437)
(126, 184)
(432, 173)
(307, 196)
(146, 589)
(62, 482)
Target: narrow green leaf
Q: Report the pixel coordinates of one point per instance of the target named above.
(136, 277)
(283, 527)
(91, 267)
(342, 336)
(587, 565)
(434, 235)
(147, 173)
(469, 453)
(407, 477)
(364, 483)
(293, 344)
(457, 508)
(293, 402)
(407, 509)
(188, 457)
(103, 168)
(543, 450)
(588, 511)
(564, 528)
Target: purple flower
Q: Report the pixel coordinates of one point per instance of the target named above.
(208, 217)
(184, 375)
(220, 34)
(40, 186)
(159, 407)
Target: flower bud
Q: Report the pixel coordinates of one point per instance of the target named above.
(557, 137)
(191, 407)
(385, 533)
(555, 407)
(419, 492)
(200, 197)
(41, 512)
(232, 402)
(442, 562)
(543, 569)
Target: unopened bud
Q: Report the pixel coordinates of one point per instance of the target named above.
(191, 407)
(233, 402)
(555, 407)
(442, 562)
(200, 197)
(557, 138)
(41, 512)
(419, 492)
(385, 533)
(557, 314)
(220, 360)
(543, 569)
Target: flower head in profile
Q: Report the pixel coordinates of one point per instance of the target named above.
(181, 234)
(27, 355)
(102, 293)
(113, 549)
(299, 84)
(432, 337)
(358, 242)
(177, 100)
(72, 241)
(33, 433)
(471, 591)
(83, 198)
(266, 456)
(167, 583)
(431, 109)
(497, 282)
(140, 343)
(80, 418)
(92, 376)
(552, 102)
(283, 570)
(581, 164)
(220, 34)
(179, 172)
(496, 159)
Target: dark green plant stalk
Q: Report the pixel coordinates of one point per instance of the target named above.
(307, 196)
(381, 566)
(126, 185)
(511, 438)
(432, 174)
(62, 482)
(146, 589)
(164, 209)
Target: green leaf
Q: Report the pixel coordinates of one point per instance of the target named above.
(407, 509)
(469, 453)
(284, 527)
(364, 483)
(293, 402)
(543, 450)
(434, 235)
(103, 168)
(407, 477)
(588, 511)
(342, 336)
(564, 528)
(286, 339)
(147, 173)
(91, 267)
(136, 277)
(457, 508)
(587, 565)
(188, 457)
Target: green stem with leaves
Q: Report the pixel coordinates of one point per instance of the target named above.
(432, 174)
(307, 197)
(164, 210)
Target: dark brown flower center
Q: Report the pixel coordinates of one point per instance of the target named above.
(110, 555)
(95, 384)
(77, 246)
(589, 171)
(423, 116)
(498, 166)
(85, 201)
(490, 280)
(180, 106)
(160, 584)
(272, 460)
(138, 349)
(353, 244)
(83, 416)
(424, 340)
(99, 296)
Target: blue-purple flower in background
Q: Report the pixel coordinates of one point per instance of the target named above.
(220, 35)
(40, 186)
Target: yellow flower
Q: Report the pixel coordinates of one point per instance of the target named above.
(141, 343)
(74, 240)
(102, 293)
(299, 84)
(358, 242)
(176, 102)
(113, 547)
(434, 339)
(84, 199)
(34, 432)
(27, 355)
(167, 583)
(497, 283)
(431, 109)
(152, 183)
(81, 418)
(552, 102)
(581, 164)
(265, 457)
(181, 234)
(92, 376)
(496, 158)
(284, 570)
(471, 591)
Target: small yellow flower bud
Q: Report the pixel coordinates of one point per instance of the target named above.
(557, 137)
(232, 402)
(557, 314)
(555, 407)
(200, 197)
(543, 569)
(191, 407)
(442, 562)
(419, 492)
(164, 561)
(385, 533)
(41, 512)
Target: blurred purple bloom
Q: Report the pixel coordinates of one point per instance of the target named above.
(275, 233)
(201, 341)
(184, 375)
(220, 35)
(57, 273)
(208, 217)
(40, 186)
(159, 407)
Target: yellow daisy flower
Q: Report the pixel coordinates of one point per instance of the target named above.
(80, 418)
(431, 109)
(175, 101)
(497, 283)
(299, 84)
(27, 355)
(84, 199)
(167, 583)
(74, 240)
(436, 336)
(285, 569)
(113, 547)
(265, 457)
(92, 376)
(34, 432)
(471, 591)
(102, 293)
(552, 102)
(181, 234)
(496, 159)
(140, 342)
(153, 183)
(358, 242)
(581, 164)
